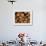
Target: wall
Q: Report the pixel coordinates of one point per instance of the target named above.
(9, 31)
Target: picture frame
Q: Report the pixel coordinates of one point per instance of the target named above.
(19, 21)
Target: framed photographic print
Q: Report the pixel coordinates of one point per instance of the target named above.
(23, 17)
